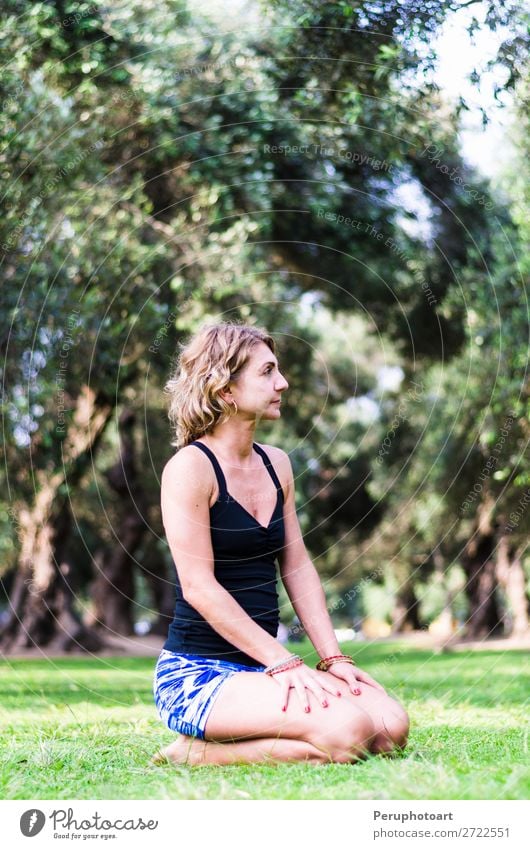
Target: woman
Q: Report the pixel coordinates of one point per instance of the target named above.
(223, 680)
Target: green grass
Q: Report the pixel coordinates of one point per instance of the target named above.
(86, 728)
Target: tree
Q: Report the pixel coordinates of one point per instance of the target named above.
(189, 198)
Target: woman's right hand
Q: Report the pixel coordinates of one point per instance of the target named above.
(302, 678)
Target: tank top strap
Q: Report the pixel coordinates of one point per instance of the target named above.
(269, 465)
(223, 492)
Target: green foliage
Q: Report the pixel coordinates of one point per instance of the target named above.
(160, 171)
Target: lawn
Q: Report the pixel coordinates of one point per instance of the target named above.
(78, 728)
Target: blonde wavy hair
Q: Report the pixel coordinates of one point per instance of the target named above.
(214, 356)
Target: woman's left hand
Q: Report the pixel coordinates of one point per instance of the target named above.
(352, 675)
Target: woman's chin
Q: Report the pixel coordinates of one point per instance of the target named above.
(272, 412)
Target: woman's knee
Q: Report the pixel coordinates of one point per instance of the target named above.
(393, 729)
(345, 737)
(399, 721)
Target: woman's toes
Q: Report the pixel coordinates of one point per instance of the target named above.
(159, 758)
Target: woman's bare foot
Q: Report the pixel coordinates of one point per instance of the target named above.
(178, 752)
(194, 751)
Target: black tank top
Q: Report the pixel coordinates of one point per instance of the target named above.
(245, 554)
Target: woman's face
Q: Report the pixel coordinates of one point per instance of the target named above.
(258, 389)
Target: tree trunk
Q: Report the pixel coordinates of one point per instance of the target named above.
(446, 625)
(162, 592)
(405, 611)
(113, 588)
(43, 595)
(479, 565)
(510, 574)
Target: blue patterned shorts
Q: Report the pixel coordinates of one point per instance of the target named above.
(185, 687)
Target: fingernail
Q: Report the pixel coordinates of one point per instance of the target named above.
(357, 692)
(339, 694)
(284, 707)
(324, 704)
(307, 708)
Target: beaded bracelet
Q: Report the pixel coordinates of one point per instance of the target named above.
(270, 668)
(282, 665)
(289, 663)
(292, 665)
(324, 664)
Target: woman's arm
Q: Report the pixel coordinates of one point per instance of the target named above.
(305, 591)
(299, 576)
(304, 588)
(186, 518)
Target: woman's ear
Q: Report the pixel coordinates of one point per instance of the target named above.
(226, 395)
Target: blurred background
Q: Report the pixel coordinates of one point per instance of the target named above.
(351, 176)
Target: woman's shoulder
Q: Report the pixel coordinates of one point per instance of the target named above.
(274, 452)
(190, 464)
(280, 460)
